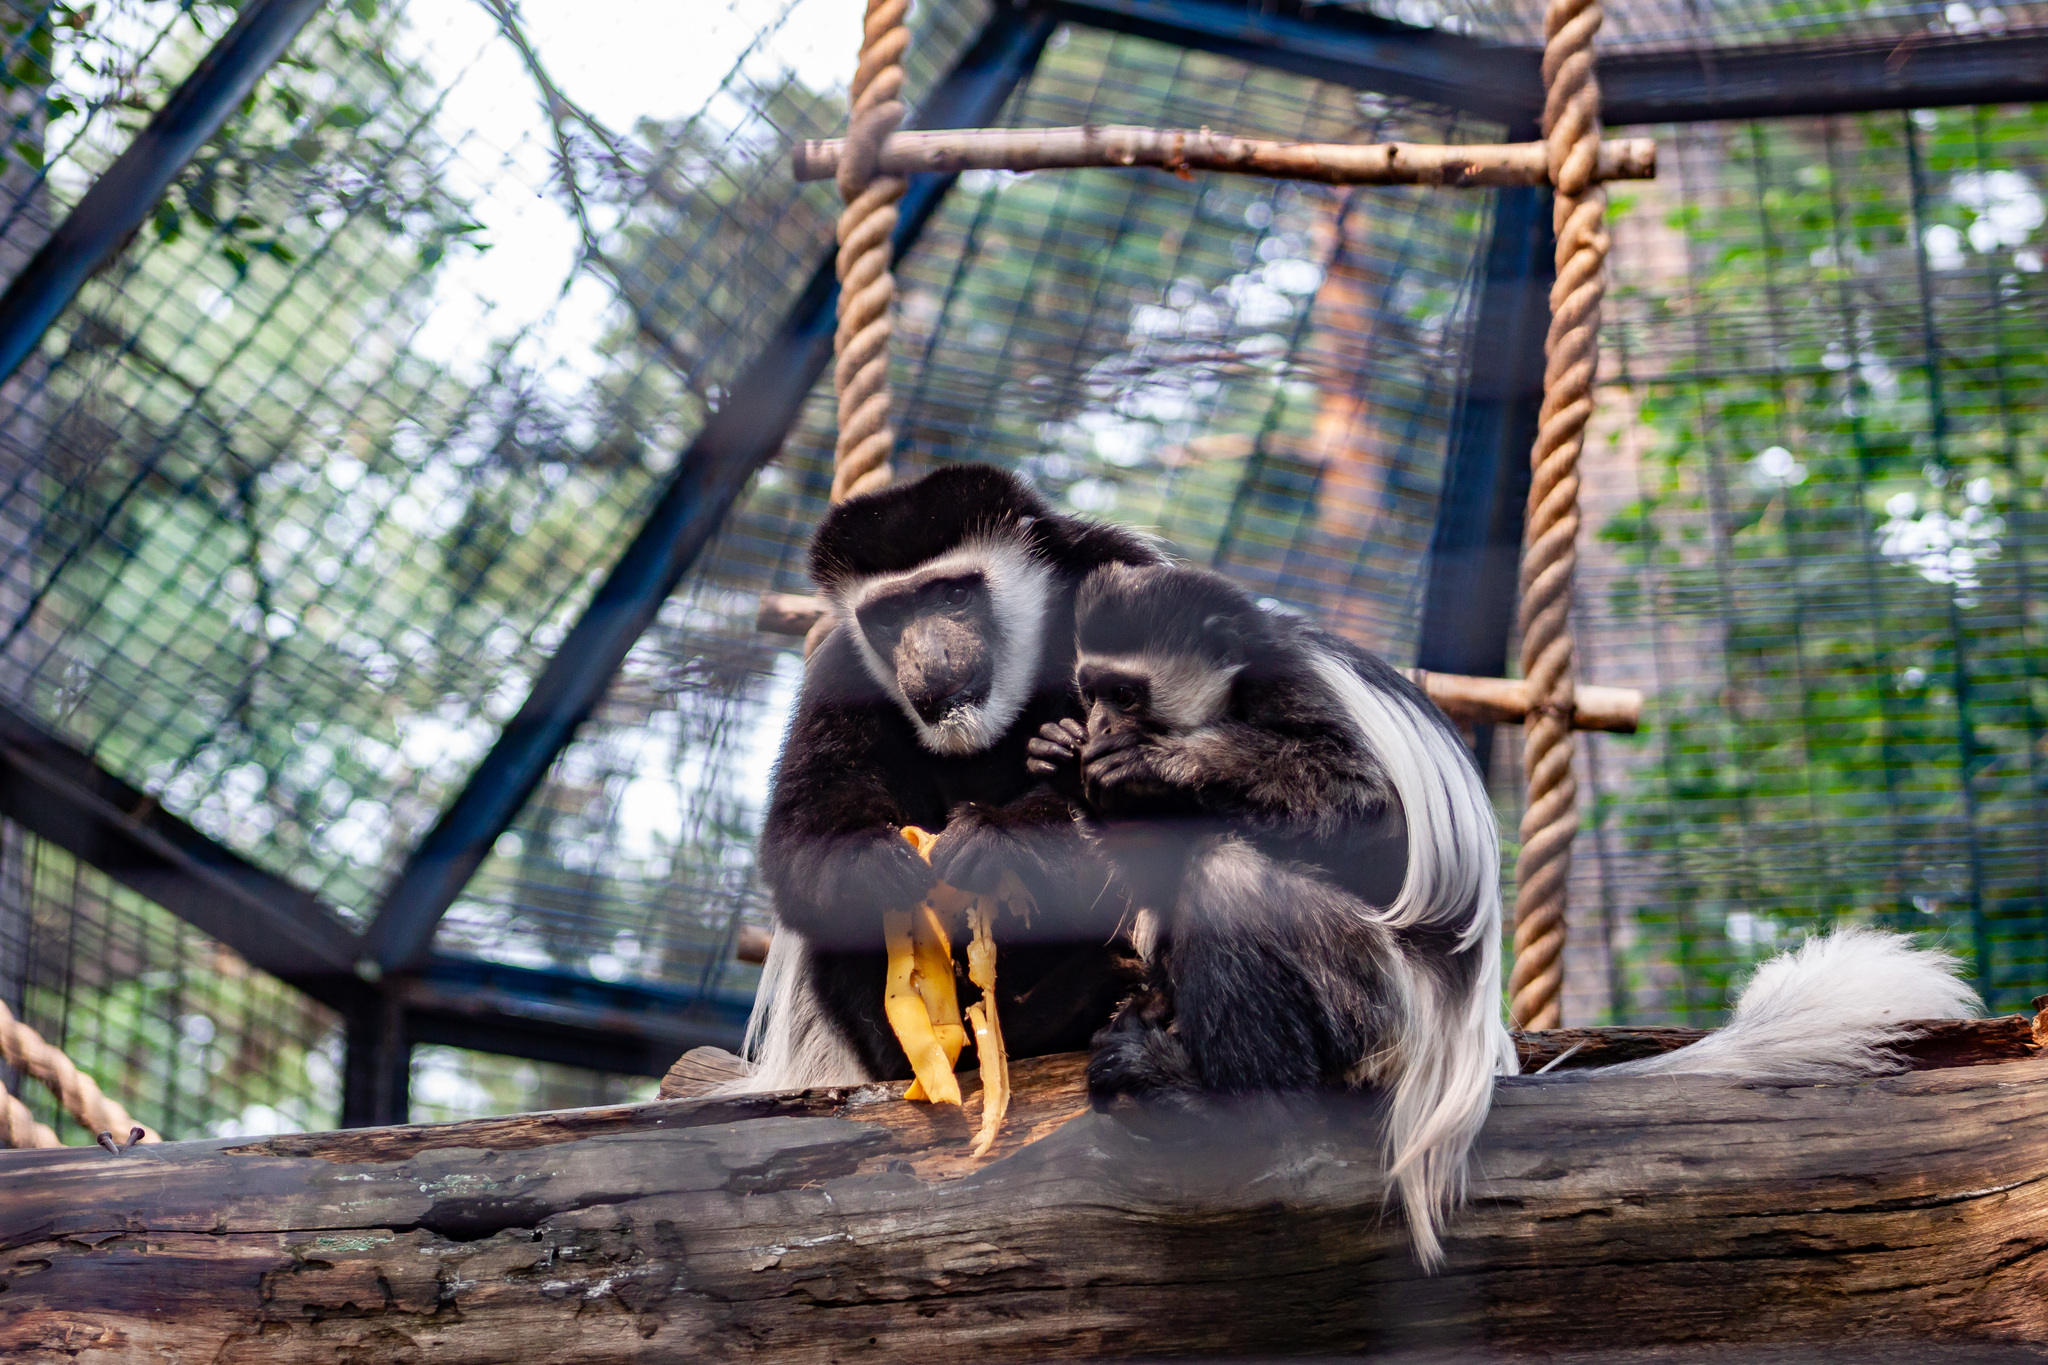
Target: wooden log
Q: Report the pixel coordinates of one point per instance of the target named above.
(1941, 1043)
(1183, 150)
(1495, 701)
(1898, 1219)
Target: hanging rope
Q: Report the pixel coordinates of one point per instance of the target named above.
(867, 288)
(1571, 128)
(860, 459)
(18, 1127)
(24, 1049)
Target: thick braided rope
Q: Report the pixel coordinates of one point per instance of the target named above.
(18, 1127)
(24, 1049)
(1571, 127)
(860, 458)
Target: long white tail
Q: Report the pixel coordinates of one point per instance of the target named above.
(791, 1042)
(1831, 1011)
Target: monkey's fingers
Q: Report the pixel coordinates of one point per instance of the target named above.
(1099, 749)
(1117, 766)
(1050, 756)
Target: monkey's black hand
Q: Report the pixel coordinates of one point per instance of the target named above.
(1034, 838)
(851, 882)
(1124, 759)
(1055, 755)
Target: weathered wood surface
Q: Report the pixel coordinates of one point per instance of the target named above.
(1941, 1043)
(1879, 1219)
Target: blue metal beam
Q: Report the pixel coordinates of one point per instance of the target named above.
(56, 790)
(94, 232)
(1332, 43)
(1504, 81)
(740, 437)
(1468, 602)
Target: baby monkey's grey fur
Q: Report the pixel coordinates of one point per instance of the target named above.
(1316, 861)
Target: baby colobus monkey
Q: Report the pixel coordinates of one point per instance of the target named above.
(1316, 861)
(1317, 867)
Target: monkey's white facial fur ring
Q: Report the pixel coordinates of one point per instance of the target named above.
(955, 642)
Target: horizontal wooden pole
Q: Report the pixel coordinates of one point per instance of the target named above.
(1667, 1215)
(1183, 150)
(1491, 701)
(1505, 701)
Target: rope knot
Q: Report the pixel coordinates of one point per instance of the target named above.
(861, 154)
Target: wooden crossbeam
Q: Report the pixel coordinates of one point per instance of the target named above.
(1485, 701)
(1184, 150)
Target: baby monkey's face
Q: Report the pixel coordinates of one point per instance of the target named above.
(1118, 698)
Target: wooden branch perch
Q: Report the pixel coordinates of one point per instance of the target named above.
(1887, 1220)
(1483, 700)
(1379, 163)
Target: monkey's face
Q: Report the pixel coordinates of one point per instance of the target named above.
(1132, 696)
(956, 641)
(1119, 701)
(940, 639)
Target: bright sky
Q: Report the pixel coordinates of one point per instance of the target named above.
(623, 61)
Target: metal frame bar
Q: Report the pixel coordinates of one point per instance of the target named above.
(1475, 550)
(1504, 81)
(94, 232)
(552, 1016)
(1922, 71)
(55, 790)
(630, 1028)
(1335, 44)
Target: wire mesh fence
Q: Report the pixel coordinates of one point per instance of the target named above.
(1814, 524)
(188, 1037)
(299, 496)
(1186, 355)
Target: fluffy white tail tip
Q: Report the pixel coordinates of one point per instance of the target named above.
(1829, 1011)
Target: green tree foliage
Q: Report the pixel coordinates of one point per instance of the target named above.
(1843, 470)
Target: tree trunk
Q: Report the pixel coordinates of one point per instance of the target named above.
(1649, 1218)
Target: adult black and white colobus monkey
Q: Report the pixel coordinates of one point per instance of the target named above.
(1317, 870)
(954, 645)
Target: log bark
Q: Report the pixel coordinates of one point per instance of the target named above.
(1903, 1218)
(1618, 710)
(1940, 1043)
(1183, 150)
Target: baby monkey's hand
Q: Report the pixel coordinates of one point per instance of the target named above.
(1055, 755)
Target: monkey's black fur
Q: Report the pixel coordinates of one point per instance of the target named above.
(1263, 833)
(854, 769)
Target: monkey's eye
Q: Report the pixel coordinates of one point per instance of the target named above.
(956, 596)
(1124, 697)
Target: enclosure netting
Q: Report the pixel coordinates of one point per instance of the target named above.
(297, 498)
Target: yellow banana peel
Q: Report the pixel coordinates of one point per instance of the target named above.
(923, 1005)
